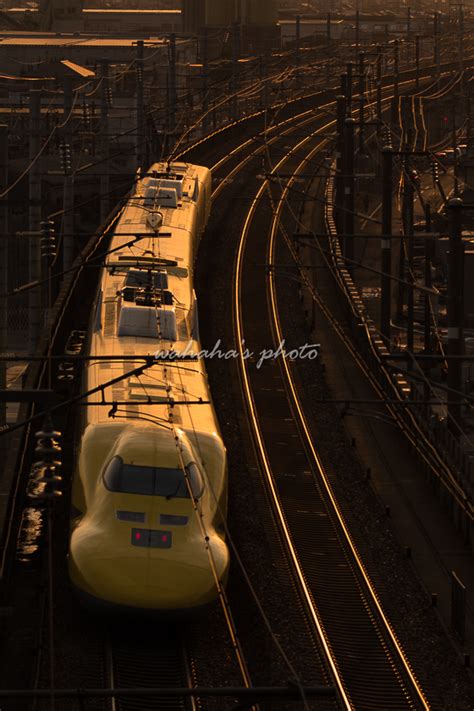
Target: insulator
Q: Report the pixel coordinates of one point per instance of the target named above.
(48, 239)
(86, 115)
(65, 157)
(44, 476)
(47, 449)
(108, 95)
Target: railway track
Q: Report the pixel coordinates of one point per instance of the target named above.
(116, 661)
(366, 660)
(136, 658)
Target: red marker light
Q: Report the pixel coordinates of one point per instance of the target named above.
(138, 536)
(164, 538)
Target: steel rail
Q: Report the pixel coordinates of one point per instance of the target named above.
(432, 457)
(251, 409)
(298, 407)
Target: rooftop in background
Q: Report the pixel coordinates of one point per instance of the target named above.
(64, 40)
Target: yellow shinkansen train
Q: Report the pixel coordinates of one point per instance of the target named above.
(150, 487)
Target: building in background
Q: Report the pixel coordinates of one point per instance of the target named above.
(257, 20)
(61, 15)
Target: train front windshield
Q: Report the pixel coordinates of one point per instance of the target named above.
(152, 481)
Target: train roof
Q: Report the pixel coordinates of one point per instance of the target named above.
(147, 303)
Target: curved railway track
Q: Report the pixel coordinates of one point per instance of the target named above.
(366, 659)
(116, 659)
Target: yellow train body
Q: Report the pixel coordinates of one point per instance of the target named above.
(150, 487)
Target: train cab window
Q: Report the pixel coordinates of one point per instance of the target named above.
(152, 481)
(195, 480)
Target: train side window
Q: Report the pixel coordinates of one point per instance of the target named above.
(113, 474)
(98, 320)
(195, 480)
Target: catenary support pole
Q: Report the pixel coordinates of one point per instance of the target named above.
(140, 107)
(396, 81)
(429, 253)
(172, 84)
(361, 103)
(349, 192)
(68, 196)
(417, 62)
(297, 50)
(205, 80)
(104, 142)
(408, 195)
(455, 314)
(340, 160)
(235, 67)
(3, 267)
(379, 88)
(386, 244)
(34, 219)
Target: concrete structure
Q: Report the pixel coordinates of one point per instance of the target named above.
(21, 52)
(130, 21)
(61, 15)
(309, 28)
(69, 16)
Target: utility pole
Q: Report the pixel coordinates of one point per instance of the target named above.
(455, 154)
(357, 32)
(386, 245)
(172, 84)
(48, 253)
(408, 26)
(297, 50)
(361, 103)
(328, 29)
(68, 198)
(263, 76)
(396, 79)
(455, 315)
(461, 44)
(349, 88)
(379, 88)
(235, 67)
(429, 253)
(340, 160)
(104, 142)
(349, 193)
(417, 61)
(34, 219)
(408, 232)
(436, 52)
(3, 270)
(140, 107)
(205, 81)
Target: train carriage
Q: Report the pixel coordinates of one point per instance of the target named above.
(151, 479)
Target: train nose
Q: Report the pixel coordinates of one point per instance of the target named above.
(151, 579)
(188, 581)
